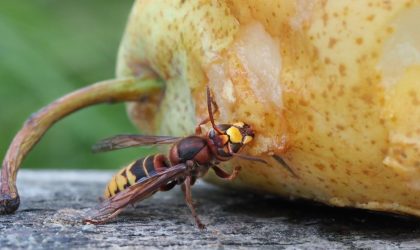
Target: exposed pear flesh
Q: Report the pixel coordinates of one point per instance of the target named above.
(331, 86)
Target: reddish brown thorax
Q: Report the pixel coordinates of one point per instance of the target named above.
(193, 148)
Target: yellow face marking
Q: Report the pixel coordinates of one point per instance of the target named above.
(234, 135)
(247, 139)
(239, 124)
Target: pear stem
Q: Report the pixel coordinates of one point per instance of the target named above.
(108, 91)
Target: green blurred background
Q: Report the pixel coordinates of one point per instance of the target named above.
(47, 49)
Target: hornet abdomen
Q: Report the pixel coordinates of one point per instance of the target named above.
(136, 171)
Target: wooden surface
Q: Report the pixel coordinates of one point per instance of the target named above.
(53, 202)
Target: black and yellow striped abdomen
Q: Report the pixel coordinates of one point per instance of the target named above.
(136, 171)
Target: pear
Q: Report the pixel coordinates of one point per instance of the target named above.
(331, 88)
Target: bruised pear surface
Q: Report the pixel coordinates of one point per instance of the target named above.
(330, 86)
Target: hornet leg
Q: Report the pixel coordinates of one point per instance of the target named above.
(222, 174)
(198, 130)
(186, 188)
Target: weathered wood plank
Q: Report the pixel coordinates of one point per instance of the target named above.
(53, 200)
